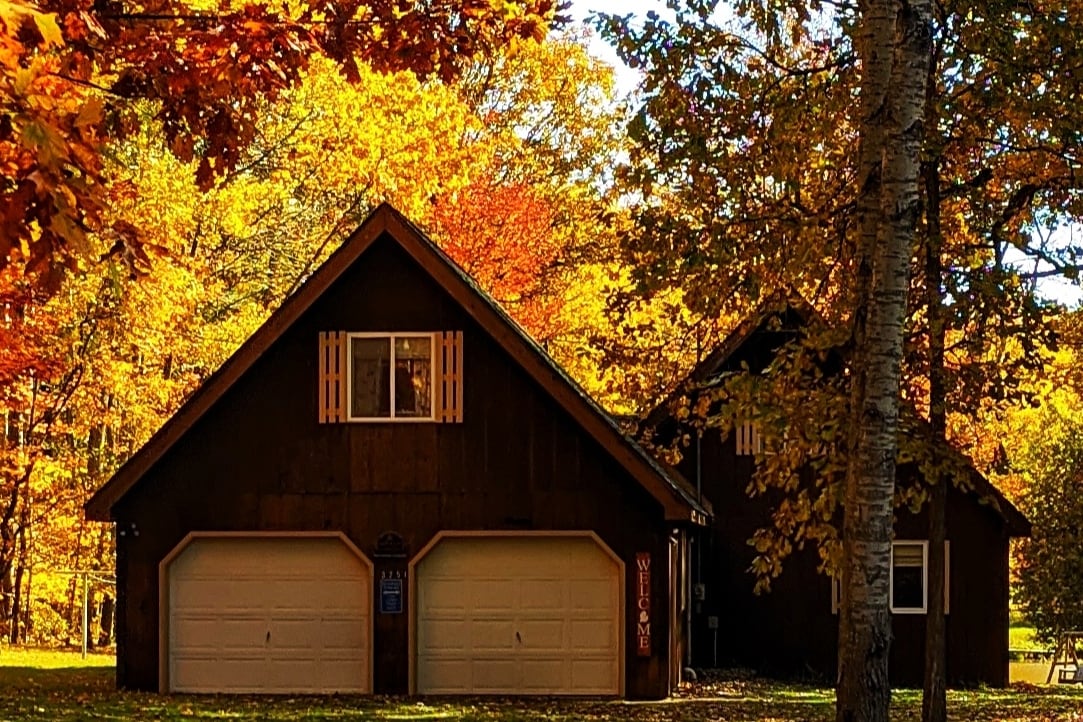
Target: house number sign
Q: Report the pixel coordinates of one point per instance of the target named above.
(643, 604)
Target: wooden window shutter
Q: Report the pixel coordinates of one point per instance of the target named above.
(334, 403)
(449, 381)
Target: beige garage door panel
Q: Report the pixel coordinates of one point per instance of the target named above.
(282, 615)
(534, 615)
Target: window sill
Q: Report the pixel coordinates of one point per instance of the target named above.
(394, 420)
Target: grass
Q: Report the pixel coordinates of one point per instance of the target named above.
(1022, 638)
(51, 658)
(60, 686)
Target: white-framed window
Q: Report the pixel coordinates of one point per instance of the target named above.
(909, 577)
(909, 581)
(391, 376)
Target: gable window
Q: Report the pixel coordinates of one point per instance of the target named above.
(366, 377)
(391, 376)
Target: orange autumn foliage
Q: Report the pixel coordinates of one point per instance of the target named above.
(502, 235)
(26, 332)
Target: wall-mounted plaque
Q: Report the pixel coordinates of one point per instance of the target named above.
(390, 545)
(390, 596)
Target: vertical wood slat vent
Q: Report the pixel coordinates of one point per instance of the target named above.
(749, 442)
(334, 369)
(449, 383)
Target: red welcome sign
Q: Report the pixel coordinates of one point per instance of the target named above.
(643, 604)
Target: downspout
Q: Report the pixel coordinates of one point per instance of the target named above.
(693, 536)
(699, 467)
(692, 539)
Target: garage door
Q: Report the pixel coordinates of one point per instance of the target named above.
(269, 615)
(520, 615)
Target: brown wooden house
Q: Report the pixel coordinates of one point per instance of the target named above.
(792, 631)
(389, 488)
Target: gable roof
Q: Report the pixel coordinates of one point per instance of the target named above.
(676, 496)
(708, 367)
(705, 375)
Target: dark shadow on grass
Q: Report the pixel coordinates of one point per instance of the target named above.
(79, 693)
(14, 678)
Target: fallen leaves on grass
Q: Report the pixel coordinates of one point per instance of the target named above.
(60, 695)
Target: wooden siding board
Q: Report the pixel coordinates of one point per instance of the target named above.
(451, 452)
(361, 516)
(271, 512)
(360, 442)
(120, 611)
(141, 626)
(322, 402)
(428, 459)
(543, 452)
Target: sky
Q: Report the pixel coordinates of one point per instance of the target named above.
(627, 79)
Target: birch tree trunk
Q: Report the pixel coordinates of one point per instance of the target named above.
(901, 31)
(874, 41)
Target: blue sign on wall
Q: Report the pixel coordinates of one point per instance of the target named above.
(390, 596)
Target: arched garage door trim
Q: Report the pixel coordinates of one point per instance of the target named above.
(163, 586)
(542, 534)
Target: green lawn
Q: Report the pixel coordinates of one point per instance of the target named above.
(61, 686)
(1021, 637)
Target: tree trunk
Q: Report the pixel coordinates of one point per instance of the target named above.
(11, 443)
(873, 45)
(6, 582)
(75, 593)
(855, 695)
(934, 691)
(11, 530)
(18, 624)
(902, 32)
(28, 618)
(95, 440)
(105, 636)
(69, 608)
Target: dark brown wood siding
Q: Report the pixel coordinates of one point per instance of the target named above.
(258, 460)
(792, 632)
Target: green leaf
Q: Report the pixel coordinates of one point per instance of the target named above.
(46, 140)
(50, 31)
(23, 78)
